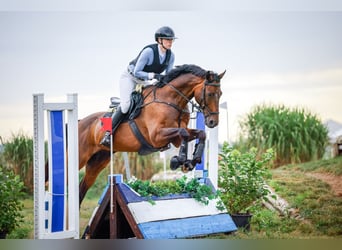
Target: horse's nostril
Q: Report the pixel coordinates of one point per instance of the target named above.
(211, 123)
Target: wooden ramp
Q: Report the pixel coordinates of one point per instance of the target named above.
(171, 217)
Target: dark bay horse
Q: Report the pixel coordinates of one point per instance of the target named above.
(162, 121)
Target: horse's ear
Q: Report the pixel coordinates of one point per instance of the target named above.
(222, 74)
(210, 76)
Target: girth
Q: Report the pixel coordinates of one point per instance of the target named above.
(145, 148)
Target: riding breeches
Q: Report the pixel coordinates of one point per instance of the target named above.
(127, 84)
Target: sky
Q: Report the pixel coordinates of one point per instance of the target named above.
(290, 56)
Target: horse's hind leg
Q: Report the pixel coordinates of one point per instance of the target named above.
(198, 152)
(93, 167)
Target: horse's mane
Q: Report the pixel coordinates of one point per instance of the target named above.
(184, 69)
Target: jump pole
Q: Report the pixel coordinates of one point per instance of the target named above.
(56, 207)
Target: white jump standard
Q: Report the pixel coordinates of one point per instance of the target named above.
(56, 207)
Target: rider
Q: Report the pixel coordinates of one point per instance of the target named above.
(153, 60)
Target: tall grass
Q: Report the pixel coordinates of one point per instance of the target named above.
(18, 156)
(296, 135)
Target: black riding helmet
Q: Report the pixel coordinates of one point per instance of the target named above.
(164, 32)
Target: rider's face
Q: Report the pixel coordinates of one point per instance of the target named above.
(167, 43)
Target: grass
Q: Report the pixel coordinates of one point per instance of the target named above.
(314, 199)
(332, 166)
(319, 208)
(26, 228)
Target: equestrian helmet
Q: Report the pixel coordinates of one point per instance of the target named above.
(164, 32)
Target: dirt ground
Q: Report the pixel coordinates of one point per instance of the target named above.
(334, 181)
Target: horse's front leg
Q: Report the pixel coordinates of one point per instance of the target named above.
(185, 135)
(198, 151)
(182, 158)
(179, 137)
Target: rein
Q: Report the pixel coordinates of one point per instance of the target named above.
(175, 106)
(203, 104)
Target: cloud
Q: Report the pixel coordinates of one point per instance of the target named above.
(292, 81)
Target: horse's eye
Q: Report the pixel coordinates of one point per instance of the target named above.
(213, 94)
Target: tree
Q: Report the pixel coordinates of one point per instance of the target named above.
(296, 135)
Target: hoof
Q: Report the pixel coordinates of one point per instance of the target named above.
(188, 164)
(184, 169)
(196, 161)
(174, 163)
(187, 167)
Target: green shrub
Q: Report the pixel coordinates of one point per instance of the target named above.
(200, 192)
(10, 201)
(241, 178)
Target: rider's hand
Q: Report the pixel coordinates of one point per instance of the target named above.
(158, 77)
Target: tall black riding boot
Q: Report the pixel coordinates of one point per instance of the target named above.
(116, 120)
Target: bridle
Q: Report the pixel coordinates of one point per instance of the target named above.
(203, 103)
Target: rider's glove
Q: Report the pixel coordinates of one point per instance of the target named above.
(158, 77)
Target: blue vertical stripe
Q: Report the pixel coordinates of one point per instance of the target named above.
(58, 161)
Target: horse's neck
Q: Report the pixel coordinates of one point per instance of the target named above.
(180, 94)
(188, 87)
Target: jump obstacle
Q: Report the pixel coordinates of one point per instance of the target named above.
(172, 216)
(56, 207)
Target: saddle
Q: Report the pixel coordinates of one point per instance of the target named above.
(134, 110)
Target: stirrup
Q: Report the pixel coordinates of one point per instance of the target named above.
(106, 139)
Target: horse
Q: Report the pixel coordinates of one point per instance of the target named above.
(163, 120)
